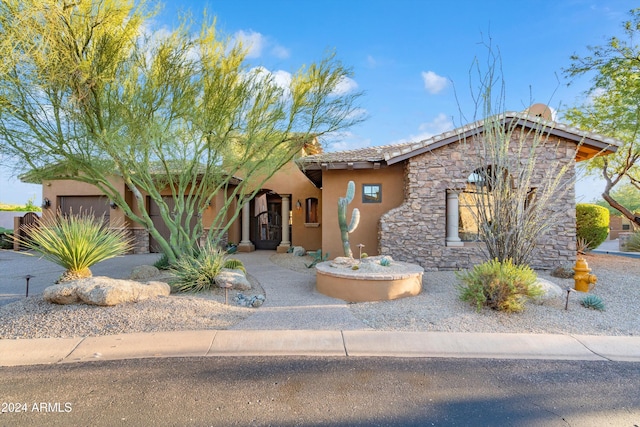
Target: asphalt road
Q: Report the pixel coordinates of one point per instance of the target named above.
(287, 391)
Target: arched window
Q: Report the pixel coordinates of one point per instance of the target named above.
(311, 211)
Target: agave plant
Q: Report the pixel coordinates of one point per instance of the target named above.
(593, 301)
(75, 242)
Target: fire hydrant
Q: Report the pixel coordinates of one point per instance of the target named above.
(584, 280)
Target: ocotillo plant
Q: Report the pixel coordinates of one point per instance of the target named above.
(342, 218)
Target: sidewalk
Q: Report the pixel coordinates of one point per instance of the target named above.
(612, 247)
(321, 344)
(295, 321)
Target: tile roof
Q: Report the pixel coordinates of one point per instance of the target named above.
(396, 152)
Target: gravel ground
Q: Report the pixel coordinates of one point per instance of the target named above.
(33, 317)
(437, 308)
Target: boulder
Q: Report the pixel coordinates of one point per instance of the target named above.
(63, 293)
(552, 292)
(299, 251)
(144, 272)
(104, 291)
(235, 279)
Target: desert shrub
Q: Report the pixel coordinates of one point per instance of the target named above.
(633, 244)
(6, 241)
(235, 264)
(197, 272)
(592, 224)
(162, 263)
(75, 242)
(501, 286)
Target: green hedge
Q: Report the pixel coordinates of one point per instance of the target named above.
(592, 224)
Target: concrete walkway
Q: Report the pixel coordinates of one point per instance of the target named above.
(294, 321)
(292, 302)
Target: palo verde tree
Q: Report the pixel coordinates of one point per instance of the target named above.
(613, 109)
(87, 93)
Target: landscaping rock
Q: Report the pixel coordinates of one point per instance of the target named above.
(144, 272)
(104, 291)
(64, 293)
(235, 279)
(245, 301)
(343, 262)
(299, 251)
(563, 272)
(552, 292)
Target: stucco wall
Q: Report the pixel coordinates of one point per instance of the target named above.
(416, 231)
(334, 184)
(289, 180)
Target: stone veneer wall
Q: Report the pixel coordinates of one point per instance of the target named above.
(416, 231)
(140, 243)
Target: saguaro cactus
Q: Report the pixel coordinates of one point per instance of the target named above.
(342, 218)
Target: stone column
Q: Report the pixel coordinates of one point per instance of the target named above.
(453, 219)
(245, 243)
(285, 244)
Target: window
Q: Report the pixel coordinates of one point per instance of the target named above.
(311, 214)
(371, 193)
(626, 227)
(476, 202)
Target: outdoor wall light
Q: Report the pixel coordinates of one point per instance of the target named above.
(46, 203)
(298, 205)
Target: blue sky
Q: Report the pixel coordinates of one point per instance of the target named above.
(412, 58)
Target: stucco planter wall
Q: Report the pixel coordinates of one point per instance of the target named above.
(386, 283)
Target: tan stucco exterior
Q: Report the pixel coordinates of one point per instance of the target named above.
(334, 186)
(290, 181)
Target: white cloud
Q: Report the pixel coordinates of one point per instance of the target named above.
(252, 41)
(440, 124)
(434, 83)
(345, 86)
(371, 61)
(256, 44)
(280, 52)
(345, 141)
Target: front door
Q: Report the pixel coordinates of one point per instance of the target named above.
(266, 227)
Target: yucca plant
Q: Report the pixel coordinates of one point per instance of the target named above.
(197, 272)
(75, 242)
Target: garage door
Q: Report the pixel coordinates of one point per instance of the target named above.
(158, 223)
(98, 205)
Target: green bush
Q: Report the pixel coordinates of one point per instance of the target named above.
(162, 263)
(592, 224)
(498, 285)
(633, 244)
(197, 272)
(6, 240)
(75, 242)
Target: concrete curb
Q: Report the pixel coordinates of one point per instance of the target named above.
(211, 343)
